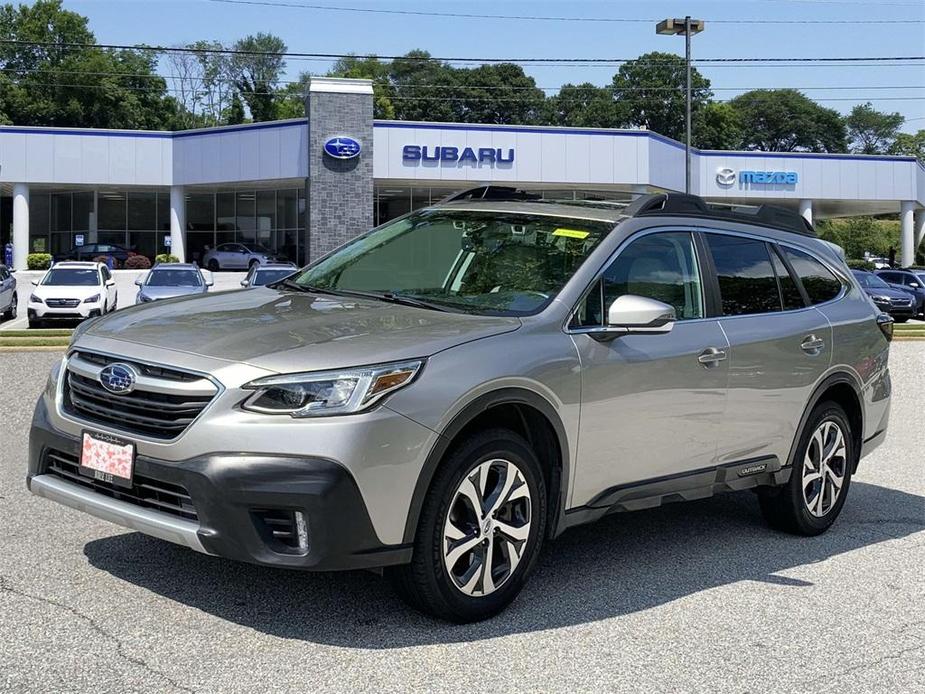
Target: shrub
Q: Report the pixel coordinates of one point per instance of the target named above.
(166, 258)
(860, 264)
(104, 259)
(38, 261)
(137, 262)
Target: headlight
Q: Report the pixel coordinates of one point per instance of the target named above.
(329, 392)
(143, 299)
(35, 300)
(92, 299)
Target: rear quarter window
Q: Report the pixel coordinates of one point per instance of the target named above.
(820, 283)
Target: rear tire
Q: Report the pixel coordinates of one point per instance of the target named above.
(446, 578)
(213, 265)
(901, 320)
(825, 459)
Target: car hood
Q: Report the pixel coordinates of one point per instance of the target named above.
(890, 292)
(44, 291)
(286, 331)
(168, 292)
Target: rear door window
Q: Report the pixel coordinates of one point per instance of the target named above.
(789, 291)
(820, 283)
(747, 280)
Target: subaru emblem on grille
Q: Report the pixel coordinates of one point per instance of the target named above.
(118, 378)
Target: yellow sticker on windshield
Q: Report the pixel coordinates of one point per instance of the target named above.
(571, 233)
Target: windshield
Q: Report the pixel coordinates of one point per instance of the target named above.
(262, 277)
(482, 262)
(871, 281)
(174, 278)
(72, 277)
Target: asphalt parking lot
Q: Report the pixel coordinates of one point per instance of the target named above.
(697, 597)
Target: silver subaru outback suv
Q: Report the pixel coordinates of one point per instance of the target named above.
(442, 395)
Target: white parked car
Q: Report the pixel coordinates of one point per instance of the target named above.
(72, 291)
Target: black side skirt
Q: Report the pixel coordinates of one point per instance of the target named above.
(685, 486)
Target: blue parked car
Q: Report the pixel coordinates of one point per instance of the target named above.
(910, 280)
(900, 304)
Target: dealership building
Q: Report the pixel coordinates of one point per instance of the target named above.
(302, 187)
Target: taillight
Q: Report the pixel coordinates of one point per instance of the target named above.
(885, 323)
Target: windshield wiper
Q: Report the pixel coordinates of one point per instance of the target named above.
(290, 284)
(393, 298)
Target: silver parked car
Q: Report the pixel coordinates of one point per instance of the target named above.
(237, 256)
(170, 280)
(9, 299)
(447, 392)
(260, 275)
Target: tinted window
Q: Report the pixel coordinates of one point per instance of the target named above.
(869, 280)
(889, 277)
(789, 291)
(262, 277)
(747, 281)
(174, 278)
(818, 281)
(658, 266)
(909, 279)
(72, 277)
(105, 271)
(3, 273)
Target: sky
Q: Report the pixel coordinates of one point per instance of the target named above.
(734, 29)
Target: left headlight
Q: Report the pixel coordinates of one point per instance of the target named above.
(329, 392)
(92, 299)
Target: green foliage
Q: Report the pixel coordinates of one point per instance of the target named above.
(256, 76)
(652, 90)
(718, 126)
(82, 85)
(585, 106)
(785, 120)
(910, 145)
(871, 131)
(38, 261)
(166, 258)
(860, 235)
(370, 68)
(861, 264)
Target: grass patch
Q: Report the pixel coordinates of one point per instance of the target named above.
(55, 332)
(33, 341)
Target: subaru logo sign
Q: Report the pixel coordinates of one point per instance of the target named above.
(118, 378)
(342, 147)
(725, 176)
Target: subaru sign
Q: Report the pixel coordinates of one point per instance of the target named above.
(118, 378)
(342, 147)
(480, 155)
(726, 177)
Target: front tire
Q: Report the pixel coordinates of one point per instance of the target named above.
(826, 457)
(480, 531)
(10, 313)
(904, 319)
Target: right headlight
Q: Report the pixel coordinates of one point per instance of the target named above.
(322, 393)
(36, 299)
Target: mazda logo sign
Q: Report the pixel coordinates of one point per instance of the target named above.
(725, 176)
(118, 378)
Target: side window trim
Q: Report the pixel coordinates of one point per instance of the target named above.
(837, 274)
(713, 303)
(778, 252)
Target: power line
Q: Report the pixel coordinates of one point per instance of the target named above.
(531, 61)
(623, 20)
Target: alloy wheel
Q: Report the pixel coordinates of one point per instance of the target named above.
(824, 468)
(487, 527)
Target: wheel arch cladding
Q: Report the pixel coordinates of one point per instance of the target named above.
(524, 412)
(843, 389)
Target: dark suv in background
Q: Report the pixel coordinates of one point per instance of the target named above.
(910, 280)
(899, 303)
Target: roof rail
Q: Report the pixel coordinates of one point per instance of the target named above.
(695, 206)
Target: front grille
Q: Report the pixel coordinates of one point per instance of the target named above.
(62, 303)
(160, 407)
(145, 491)
(901, 302)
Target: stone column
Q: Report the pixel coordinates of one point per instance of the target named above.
(178, 222)
(340, 190)
(20, 225)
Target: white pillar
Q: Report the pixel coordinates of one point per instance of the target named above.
(907, 232)
(919, 223)
(20, 225)
(178, 222)
(806, 210)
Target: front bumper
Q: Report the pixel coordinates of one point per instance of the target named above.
(229, 491)
(79, 312)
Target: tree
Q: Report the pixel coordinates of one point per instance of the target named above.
(910, 145)
(423, 88)
(255, 68)
(291, 99)
(871, 131)
(370, 68)
(785, 120)
(652, 89)
(46, 83)
(718, 126)
(500, 94)
(585, 106)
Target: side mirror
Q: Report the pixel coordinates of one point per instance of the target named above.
(629, 314)
(35, 283)
(138, 281)
(914, 285)
(110, 283)
(243, 283)
(209, 281)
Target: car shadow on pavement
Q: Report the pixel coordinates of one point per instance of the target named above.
(623, 564)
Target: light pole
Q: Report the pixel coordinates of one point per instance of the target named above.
(688, 27)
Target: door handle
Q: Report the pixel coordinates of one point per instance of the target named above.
(711, 356)
(812, 344)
